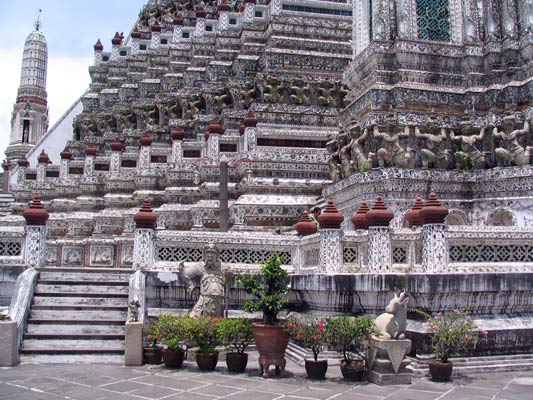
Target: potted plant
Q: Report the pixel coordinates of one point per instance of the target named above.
(453, 334)
(235, 334)
(152, 349)
(310, 334)
(346, 335)
(204, 331)
(173, 332)
(268, 288)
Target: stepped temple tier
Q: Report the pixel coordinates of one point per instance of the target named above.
(407, 122)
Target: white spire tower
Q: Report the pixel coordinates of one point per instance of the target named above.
(29, 121)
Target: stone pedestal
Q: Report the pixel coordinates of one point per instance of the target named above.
(133, 349)
(8, 343)
(387, 363)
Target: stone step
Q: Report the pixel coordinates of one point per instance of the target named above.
(484, 364)
(78, 329)
(67, 346)
(81, 315)
(81, 290)
(72, 359)
(72, 301)
(62, 276)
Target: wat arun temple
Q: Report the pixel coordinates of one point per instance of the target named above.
(226, 121)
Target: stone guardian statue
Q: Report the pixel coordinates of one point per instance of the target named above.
(211, 299)
(392, 323)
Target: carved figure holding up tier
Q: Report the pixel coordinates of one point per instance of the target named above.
(345, 155)
(510, 151)
(211, 298)
(469, 149)
(333, 160)
(435, 150)
(361, 160)
(393, 152)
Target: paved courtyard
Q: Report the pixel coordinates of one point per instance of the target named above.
(95, 382)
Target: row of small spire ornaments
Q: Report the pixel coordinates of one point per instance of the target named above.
(430, 212)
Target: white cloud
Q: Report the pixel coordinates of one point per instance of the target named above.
(68, 78)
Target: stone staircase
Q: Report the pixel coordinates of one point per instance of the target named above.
(77, 315)
(478, 365)
(5, 200)
(419, 365)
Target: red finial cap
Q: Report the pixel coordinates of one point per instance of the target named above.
(117, 39)
(242, 127)
(224, 6)
(214, 127)
(330, 218)
(5, 165)
(66, 154)
(146, 139)
(35, 214)
(43, 158)
(433, 211)
(305, 226)
(379, 215)
(155, 27)
(116, 145)
(359, 220)
(145, 218)
(178, 21)
(176, 133)
(250, 121)
(135, 34)
(23, 162)
(98, 46)
(413, 215)
(90, 149)
(201, 14)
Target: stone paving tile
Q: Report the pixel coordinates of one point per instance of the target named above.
(252, 395)
(172, 381)
(353, 396)
(33, 396)
(317, 393)
(407, 394)
(277, 387)
(123, 387)
(8, 390)
(193, 396)
(88, 394)
(154, 392)
(216, 390)
(429, 386)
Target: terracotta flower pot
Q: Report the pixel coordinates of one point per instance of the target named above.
(353, 370)
(207, 361)
(271, 340)
(236, 362)
(152, 355)
(440, 371)
(316, 369)
(173, 359)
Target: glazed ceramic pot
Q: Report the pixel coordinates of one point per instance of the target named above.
(353, 370)
(173, 359)
(152, 355)
(207, 361)
(440, 371)
(236, 362)
(316, 369)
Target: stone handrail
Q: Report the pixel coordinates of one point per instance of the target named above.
(21, 301)
(137, 291)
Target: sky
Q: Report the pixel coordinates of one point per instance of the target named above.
(71, 28)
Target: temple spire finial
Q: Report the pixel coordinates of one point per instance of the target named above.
(37, 23)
